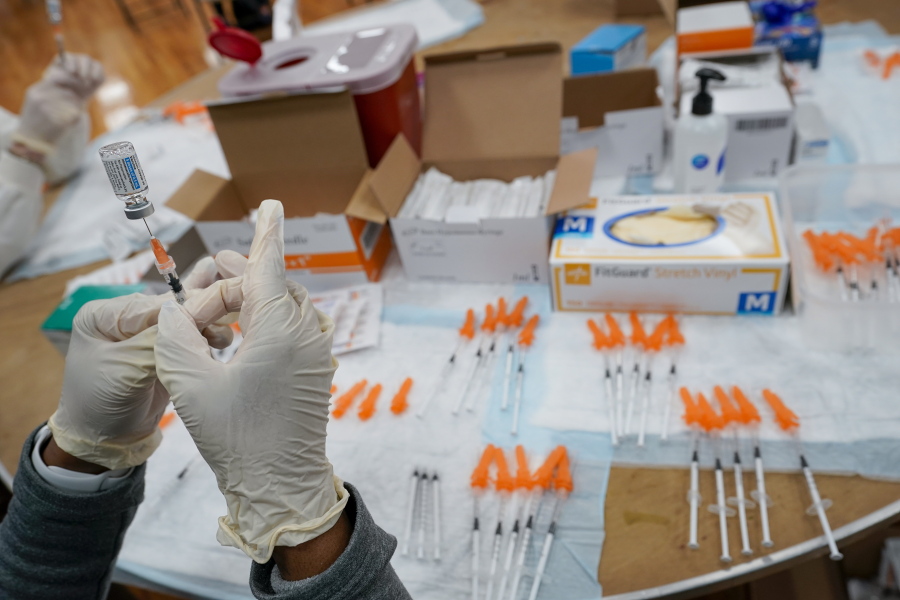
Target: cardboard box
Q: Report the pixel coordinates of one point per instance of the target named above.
(491, 113)
(609, 48)
(739, 269)
(307, 151)
(712, 27)
(619, 114)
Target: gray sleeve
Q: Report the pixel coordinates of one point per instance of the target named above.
(363, 571)
(57, 544)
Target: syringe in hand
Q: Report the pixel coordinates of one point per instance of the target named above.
(129, 185)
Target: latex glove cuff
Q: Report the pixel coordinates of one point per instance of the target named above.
(112, 454)
(289, 534)
(33, 145)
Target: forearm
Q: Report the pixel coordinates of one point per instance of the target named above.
(57, 544)
(21, 186)
(360, 571)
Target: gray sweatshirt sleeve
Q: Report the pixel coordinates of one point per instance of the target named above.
(362, 572)
(57, 544)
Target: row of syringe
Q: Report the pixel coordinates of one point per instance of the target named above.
(612, 343)
(736, 411)
(436, 196)
(528, 489)
(864, 269)
(499, 328)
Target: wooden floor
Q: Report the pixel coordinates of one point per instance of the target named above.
(169, 48)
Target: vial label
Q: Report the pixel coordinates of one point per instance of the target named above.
(125, 175)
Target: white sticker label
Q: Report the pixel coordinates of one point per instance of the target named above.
(125, 175)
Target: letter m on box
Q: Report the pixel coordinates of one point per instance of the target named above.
(575, 226)
(758, 303)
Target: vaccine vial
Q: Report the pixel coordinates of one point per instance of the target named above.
(127, 178)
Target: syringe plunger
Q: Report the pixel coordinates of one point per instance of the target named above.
(127, 178)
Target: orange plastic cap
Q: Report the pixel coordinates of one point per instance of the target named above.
(690, 407)
(526, 336)
(616, 337)
(730, 414)
(159, 253)
(468, 328)
(502, 313)
(638, 335)
(709, 418)
(785, 417)
(343, 403)
(600, 341)
(490, 319)
(563, 479)
(749, 414)
(367, 406)
(400, 402)
(544, 474)
(523, 475)
(505, 482)
(479, 477)
(518, 314)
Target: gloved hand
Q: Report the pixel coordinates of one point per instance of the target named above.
(259, 420)
(111, 400)
(54, 103)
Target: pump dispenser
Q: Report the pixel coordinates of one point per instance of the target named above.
(700, 139)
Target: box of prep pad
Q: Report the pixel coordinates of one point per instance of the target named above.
(489, 114)
(609, 48)
(725, 255)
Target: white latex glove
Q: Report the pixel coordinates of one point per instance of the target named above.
(56, 102)
(260, 419)
(111, 400)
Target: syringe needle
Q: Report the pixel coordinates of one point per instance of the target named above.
(694, 500)
(742, 504)
(723, 511)
(410, 513)
(762, 499)
(148, 227)
(667, 410)
(611, 402)
(819, 507)
(645, 408)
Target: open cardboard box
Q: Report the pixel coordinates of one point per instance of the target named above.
(491, 113)
(619, 114)
(307, 151)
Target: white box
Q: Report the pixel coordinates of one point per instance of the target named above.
(477, 126)
(760, 129)
(492, 250)
(621, 116)
(739, 269)
(813, 137)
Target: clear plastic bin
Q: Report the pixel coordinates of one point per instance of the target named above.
(849, 198)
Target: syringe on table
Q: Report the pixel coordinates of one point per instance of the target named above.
(130, 185)
(54, 15)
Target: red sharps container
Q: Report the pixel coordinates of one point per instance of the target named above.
(376, 65)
